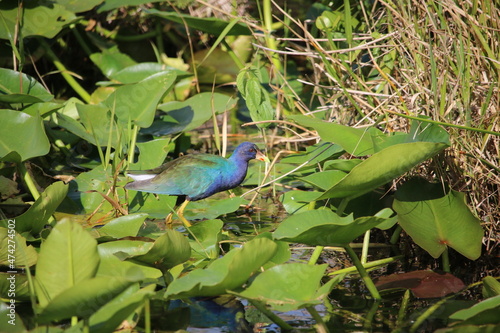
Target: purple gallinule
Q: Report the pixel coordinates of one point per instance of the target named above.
(196, 176)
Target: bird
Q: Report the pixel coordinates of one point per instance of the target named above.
(196, 176)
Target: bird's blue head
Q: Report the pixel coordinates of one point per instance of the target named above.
(247, 151)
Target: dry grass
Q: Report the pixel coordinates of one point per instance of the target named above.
(438, 59)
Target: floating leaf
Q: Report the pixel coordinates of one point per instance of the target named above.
(86, 297)
(210, 209)
(277, 287)
(483, 313)
(123, 226)
(324, 227)
(169, 250)
(111, 61)
(423, 284)
(111, 265)
(23, 136)
(226, 273)
(208, 235)
(435, 221)
(67, 257)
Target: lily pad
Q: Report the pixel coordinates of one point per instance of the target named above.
(323, 227)
(278, 288)
(227, 273)
(67, 257)
(29, 91)
(423, 284)
(16, 125)
(123, 226)
(435, 221)
(208, 235)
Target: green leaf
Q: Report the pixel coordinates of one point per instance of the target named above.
(491, 287)
(79, 6)
(67, 257)
(17, 87)
(324, 179)
(111, 265)
(169, 250)
(22, 290)
(138, 101)
(278, 288)
(483, 313)
(208, 235)
(210, 209)
(111, 315)
(297, 201)
(40, 18)
(14, 253)
(282, 254)
(23, 136)
(226, 273)
(111, 61)
(82, 190)
(315, 154)
(256, 97)
(382, 167)
(210, 25)
(435, 221)
(191, 113)
(141, 71)
(35, 218)
(324, 228)
(114, 4)
(123, 226)
(152, 154)
(85, 298)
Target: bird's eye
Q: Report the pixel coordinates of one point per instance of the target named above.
(252, 150)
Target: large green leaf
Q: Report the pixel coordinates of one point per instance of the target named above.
(22, 290)
(382, 167)
(22, 136)
(208, 235)
(13, 250)
(111, 315)
(123, 226)
(290, 287)
(190, 114)
(210, 209)
(485, 312)
(152, 153)
(256, 97)
(110, 61)
(83, 190)
(40, 18)
(17, 87)
(226, 273)
(137, 102)
(86, 297)
(435, 221)
(35, 218)
(111, 265)
(139, 72)
(210, 25)
(169, 250)
(324, 227)
(67, 257)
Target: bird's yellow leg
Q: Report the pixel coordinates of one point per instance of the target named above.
(180, 214)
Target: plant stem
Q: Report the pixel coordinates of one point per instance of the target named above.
(147, 317)
(402, 309)
(271, 315)
(315, 255)
(321, 326)
(86, 328)
(64, 72)
(270, 42)
(395, 236)
(131, 147)
(366, 245)
(362, 272)
(446, 261)
(370, 314)
(30, 184)
(233, 55)
(370, 264)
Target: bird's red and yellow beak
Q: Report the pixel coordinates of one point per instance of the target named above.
(261, 157)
